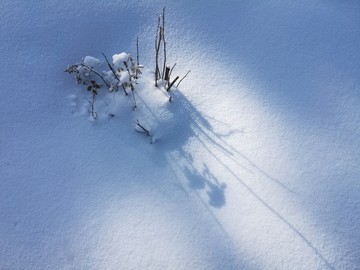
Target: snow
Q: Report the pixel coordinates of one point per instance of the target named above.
(255, 161)
(91, 61)
(119, 59)
(124, 76)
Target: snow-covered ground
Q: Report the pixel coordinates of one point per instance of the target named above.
(256, 163)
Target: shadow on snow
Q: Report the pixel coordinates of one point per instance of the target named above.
(191, 125)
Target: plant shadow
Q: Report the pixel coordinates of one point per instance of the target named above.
(194, 174)
(204, 180)
(191, 126)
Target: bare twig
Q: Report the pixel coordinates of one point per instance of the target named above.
(137, 51)
(171, 70)
(128, 70)
(164, 43)
(123, 87)
(92, 112)
(167, 74)
(93, 70)
(114, 72)
(147, 132)
(157, 48)
(183, 78)
(135, 69)
(172, 83)
(111, 68)
(130, 83)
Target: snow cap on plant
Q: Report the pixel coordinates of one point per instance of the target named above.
(91, 61)
(119, 59)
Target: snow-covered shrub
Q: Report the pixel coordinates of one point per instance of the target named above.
(106, 81)
(120, 74)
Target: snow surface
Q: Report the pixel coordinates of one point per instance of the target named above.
(256, 163)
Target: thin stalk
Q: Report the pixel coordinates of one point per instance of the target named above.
(183, 78)
(164, 42)
(111, 68)
(93, 70)
(144, 129)
(172, 83)
(137, 51)
(171, 70)
(157, 48)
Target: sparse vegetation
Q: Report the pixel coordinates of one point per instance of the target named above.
(123, 72)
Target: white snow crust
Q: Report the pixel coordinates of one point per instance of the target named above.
(253, 165)
(91, 61)
(119, 59)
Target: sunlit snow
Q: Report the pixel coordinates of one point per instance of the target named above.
(254, 164)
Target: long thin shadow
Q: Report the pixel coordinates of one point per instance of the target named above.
(317, 252)
(255, 166)
(232, 150)
(202, 126)
(262, 201)
(296, 231)
(200, 123)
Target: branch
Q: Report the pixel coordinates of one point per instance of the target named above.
(164, 42)
(169, 87)
(130, 83)
(171, 70)
(167, 74)
(137, 51)
(93, 70)
(111, 68)
(183, 78)
(144, 129)
(123, 87)
(92, 112)
(157, 48)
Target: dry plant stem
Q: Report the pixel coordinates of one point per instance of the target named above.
(172, 83)
(93, 113)
(171, 70)
(167, 74)
(144, 129)
(92, 70)
(183, 78)
(123, 87)
(130, 83)
(164, 43)
(157, 53)
(128, 70)
(113, 71)
(135, 68)
(137, 52)
(157, 48)
(111, 68)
